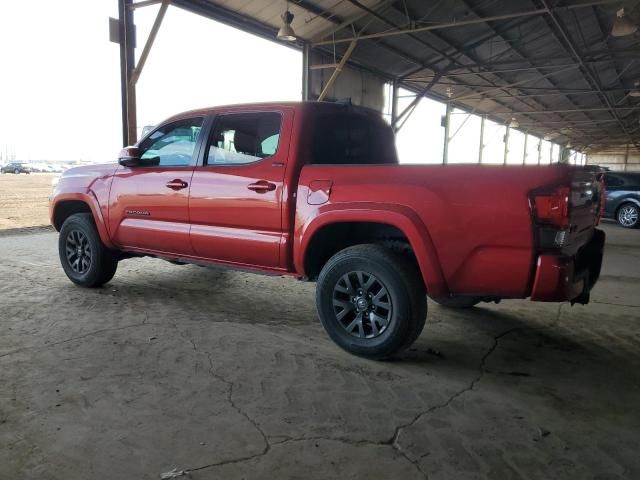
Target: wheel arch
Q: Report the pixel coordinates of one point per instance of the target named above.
(63, 207)
(624, 201)
(383, 222)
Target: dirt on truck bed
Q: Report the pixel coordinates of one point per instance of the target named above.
(24, 200)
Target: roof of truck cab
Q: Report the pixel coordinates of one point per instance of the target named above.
(261, 106)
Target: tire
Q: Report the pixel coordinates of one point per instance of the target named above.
(16, 171)
(458, 302)
(89, 263)
(628, 215)
(392, 293)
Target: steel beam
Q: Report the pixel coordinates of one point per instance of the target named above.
(338, 70)
(439, 26)
(149, 43)
(578, 57)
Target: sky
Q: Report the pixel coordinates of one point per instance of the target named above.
(60, 80)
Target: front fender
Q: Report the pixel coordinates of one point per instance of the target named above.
(401, 217)
(90, 200)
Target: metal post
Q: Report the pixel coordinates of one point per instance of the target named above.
(482, 120)
(539, 150)
(506, 145)
(524, 154)
(445, 150)
(626, 158)
(127, 62)
(394, 103)
(306, 73)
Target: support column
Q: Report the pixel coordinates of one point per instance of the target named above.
(539, 151)
(394, 103)
(626, 159)
(482, 120)
(506, 145)
(526, 145)
(127, 64)
(447, 121)
(306, 72)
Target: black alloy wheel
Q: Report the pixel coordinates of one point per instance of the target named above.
(362, 304)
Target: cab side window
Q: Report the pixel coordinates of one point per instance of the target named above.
(172, 145)
(241, 138)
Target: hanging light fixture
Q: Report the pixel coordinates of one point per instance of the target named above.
(622, 26)
(286, 33)
(569, 144)
(547, 137)
(514, 123)
(635, 92)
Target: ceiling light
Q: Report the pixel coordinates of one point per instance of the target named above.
(635, 92)
(569, 145)
(514, 123)
(286, 33)
(622, 26)
(449, 92)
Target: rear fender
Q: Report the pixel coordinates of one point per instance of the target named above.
(403, 218)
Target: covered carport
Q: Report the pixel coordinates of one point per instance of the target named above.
(558, 81)
(187, 372)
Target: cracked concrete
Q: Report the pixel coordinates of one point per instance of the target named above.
(229, 375)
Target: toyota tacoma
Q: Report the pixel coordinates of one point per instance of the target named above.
(314, 191)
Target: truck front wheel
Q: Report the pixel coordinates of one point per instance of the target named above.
(371, 301)
(84, 258)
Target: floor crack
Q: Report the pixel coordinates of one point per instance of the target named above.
(79, 337)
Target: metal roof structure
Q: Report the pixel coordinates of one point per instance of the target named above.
(552, 64)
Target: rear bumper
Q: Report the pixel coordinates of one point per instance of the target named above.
(561, 279)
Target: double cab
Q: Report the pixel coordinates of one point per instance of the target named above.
(314, 191)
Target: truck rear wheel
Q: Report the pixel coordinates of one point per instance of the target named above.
(84, 258)
(371, 301)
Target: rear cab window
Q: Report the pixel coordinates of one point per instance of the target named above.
(350, 137)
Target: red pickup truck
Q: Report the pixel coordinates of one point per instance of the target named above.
(315, 191)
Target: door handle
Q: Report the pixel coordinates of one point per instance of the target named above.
(177, 184)
(262, 186)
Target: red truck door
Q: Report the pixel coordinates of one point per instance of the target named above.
(148, 206)
(235, 203)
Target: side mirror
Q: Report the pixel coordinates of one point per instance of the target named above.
(129, 157)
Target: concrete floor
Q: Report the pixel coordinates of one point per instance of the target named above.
(230, 375)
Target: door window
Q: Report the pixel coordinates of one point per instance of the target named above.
(241, 138)
(172, 145)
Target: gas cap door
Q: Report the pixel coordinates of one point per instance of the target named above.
(319, 192)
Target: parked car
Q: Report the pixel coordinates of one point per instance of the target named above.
(16, 167)
(315, 191)
(623, 198)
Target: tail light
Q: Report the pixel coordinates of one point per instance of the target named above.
(552, 208)
(550, 211)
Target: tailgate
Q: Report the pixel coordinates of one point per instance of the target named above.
(586, 204)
